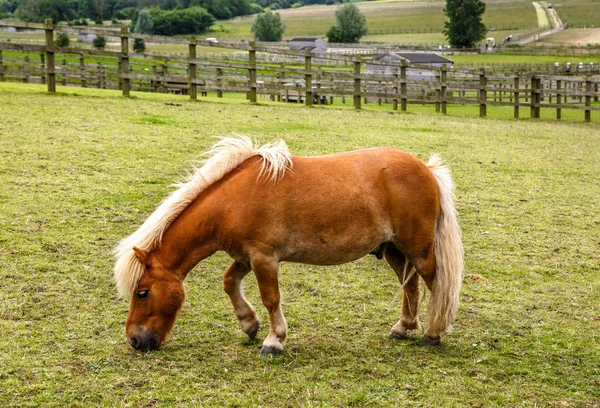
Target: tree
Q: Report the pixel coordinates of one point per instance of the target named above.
(465, 28)
(144, 23)
(350, 25)
(268, 27)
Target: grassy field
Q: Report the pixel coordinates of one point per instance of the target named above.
(579, 12)
(572, 36)
(500, 59)
(82, 169)
(384, 16)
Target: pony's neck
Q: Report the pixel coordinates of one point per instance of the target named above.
(186, 242)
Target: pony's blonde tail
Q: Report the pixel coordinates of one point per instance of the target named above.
(448, 250)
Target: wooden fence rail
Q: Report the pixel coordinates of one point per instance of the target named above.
(306, 82)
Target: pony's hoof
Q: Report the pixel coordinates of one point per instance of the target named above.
(397, 335)
(270, 351)
(252, 333)
(432, 341)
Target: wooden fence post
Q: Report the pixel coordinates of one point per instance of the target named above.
(403, 90)
(320, 99)
(26, 70)
(163, 83)
(588, 99)
(219, 83)
(43, 68)
(482, 94)
(63, 72)
(516, 97)
(192, 68)
(252, 72)
(308, 77)
(395, 89)
(120, 69)
(444, 87)
(438, 91)
(82, 71)
(2, 78)
(153, 81)
(558, 98)
(356, 84)
(99, 70)
(125, 79)
(50, 75)
(535, 97)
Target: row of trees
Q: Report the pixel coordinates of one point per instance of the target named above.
(98, 10)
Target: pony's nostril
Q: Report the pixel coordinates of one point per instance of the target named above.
(135, 342)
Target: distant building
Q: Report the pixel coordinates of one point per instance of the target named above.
(412, 73)
(86, 38)
(317, 45)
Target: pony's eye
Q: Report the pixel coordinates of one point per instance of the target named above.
(142, 294)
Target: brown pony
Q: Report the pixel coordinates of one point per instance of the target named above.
(263, 206)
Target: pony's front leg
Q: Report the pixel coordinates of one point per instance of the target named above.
(232, 282)
(266, 270)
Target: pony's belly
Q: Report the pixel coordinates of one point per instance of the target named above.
(331, 253)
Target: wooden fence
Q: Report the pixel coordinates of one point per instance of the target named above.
(309, 81)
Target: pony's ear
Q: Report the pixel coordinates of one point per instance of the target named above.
(141, 255)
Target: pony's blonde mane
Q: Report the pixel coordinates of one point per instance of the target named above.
(226, 155)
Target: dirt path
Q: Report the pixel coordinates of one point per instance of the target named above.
(556, 23)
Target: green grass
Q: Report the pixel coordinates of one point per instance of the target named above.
(82, 169)
(505, 59)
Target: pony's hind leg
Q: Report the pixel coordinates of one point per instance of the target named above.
(425, 264)
(410, 304)
(266, 270)
(232, 282)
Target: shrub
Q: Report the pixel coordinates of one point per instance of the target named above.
(255, 8)
(139, 45)
(62, 40)
(99, 42)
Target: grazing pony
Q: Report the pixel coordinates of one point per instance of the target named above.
(264, 206)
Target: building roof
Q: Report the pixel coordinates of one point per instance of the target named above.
(414, 57)
(305, 39)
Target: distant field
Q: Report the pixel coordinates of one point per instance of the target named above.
(385, 16)
(580, 12)
(517, 59)
(574, 36)
(428, 38)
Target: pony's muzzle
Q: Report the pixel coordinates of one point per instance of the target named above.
(144, 340)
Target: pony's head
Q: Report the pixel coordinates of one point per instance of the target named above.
(155, 303)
